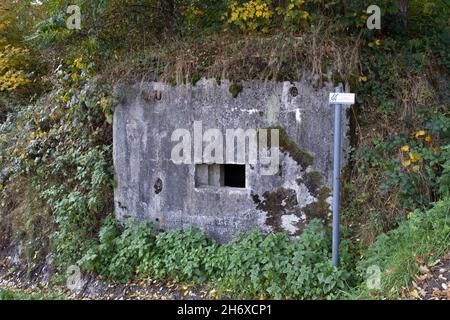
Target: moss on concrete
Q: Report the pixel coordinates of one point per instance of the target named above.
(235, 89)
(277, 203)
(313, 180)
(319, 209)
(301, 156)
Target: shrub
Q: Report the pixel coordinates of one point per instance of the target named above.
(274, 266)
(294, 14)
(251, 16)
(252, 265)
(419, 170)
(182, 255)
(59, 145)
(119, 255)
(13, 61)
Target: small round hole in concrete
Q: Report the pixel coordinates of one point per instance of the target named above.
(158, 186)
(293, 91)
(158, 95)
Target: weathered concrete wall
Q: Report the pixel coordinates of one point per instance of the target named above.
(150, 186)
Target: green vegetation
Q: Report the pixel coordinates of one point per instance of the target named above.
(57, 101)
(250, 266)
(7, 294)
(399, 253)
(257, 266)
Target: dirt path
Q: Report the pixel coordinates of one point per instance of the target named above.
(432, 283)
(12, 276)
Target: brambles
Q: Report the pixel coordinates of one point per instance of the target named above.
(419, 169)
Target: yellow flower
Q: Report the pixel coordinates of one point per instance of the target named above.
(405, 148)
(416, 168)
(406, 163)
(428, 138)
(378, 42)
(414, 157)
(362, 78)
(420, 133)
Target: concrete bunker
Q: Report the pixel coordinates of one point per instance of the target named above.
(225, 196)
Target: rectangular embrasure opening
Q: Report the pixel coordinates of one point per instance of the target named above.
(220, 175)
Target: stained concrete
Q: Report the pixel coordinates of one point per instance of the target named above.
(151, 187)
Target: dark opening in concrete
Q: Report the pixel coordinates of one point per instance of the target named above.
(293, 91)
(220, 175)
(234, 175)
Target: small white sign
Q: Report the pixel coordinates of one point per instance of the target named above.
(341, 98)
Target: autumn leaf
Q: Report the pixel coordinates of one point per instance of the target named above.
(414, 157)
(415, 294)
(362, 78)
(420, 133)
(423, 269)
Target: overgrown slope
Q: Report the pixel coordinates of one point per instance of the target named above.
(56, 105)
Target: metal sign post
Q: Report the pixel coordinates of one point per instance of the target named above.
(337, 99)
